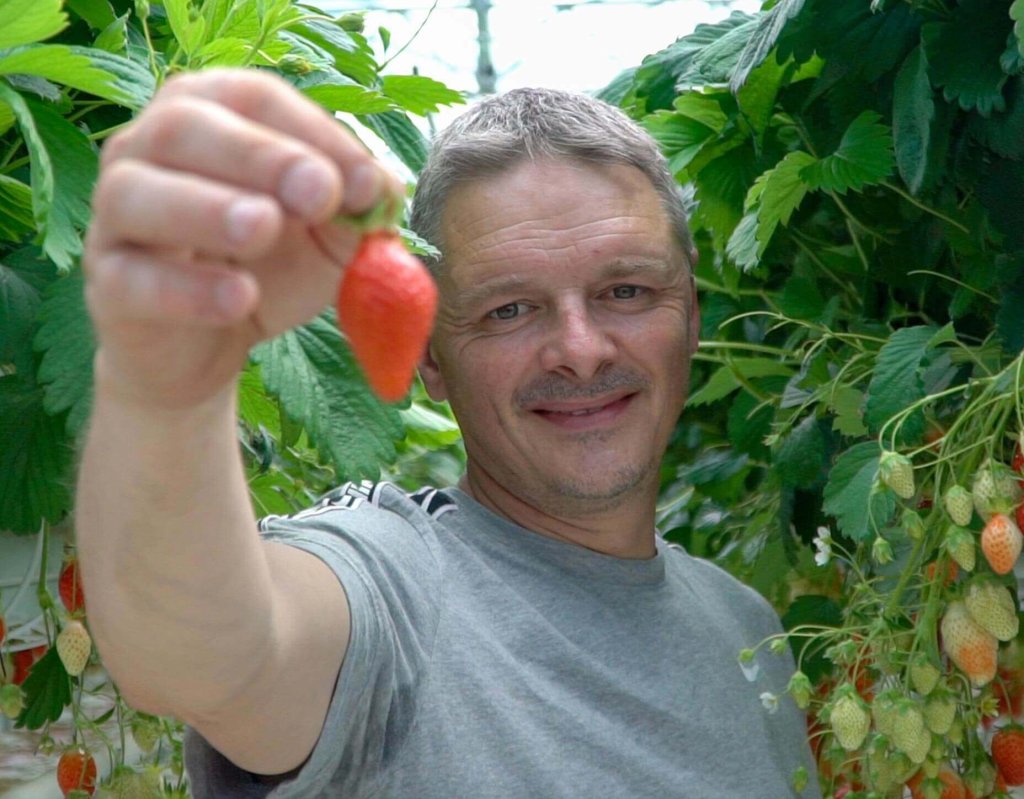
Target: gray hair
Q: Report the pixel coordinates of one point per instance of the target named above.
(529, 124)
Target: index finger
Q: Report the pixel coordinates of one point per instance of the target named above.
(270, 101)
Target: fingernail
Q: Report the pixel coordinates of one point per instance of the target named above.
(306, 188)
(362, 187)
(244, 217)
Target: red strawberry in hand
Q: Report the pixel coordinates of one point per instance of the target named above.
(386, 306)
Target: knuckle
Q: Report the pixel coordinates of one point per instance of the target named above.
(115, 184)
(166, 124)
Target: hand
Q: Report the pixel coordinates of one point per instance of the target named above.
(212, 231)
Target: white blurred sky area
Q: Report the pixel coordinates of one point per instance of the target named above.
(576, 44)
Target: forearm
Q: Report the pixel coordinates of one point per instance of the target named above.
(179, 592)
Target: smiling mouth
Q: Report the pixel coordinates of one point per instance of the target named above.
(610, 408)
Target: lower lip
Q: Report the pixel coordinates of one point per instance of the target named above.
(588, 421)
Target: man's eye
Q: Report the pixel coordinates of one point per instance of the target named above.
(508, 311)
(626, 292)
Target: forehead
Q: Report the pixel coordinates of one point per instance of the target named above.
(550, 213)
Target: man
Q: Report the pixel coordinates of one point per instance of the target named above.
(524, 634)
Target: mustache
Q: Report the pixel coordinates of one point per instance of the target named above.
(555, 387)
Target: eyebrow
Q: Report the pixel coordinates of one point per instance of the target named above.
(510, 284)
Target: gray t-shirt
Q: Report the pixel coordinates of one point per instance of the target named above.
(486, 660)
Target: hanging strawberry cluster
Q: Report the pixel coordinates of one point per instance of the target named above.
(924, 691)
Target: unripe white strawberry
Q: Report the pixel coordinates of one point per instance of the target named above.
(74, 646)
(960, 545)
(909, 734)
(939, 712)
(924, 676)
(12, 700)
(850, 720)
(971, 647)
(959, 505)
(897, 472)
(991, 605)
(994, 490)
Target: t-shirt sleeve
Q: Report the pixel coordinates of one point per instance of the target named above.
(384, 553)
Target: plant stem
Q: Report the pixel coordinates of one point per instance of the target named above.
(928, 210)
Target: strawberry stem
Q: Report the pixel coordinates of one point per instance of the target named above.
(385, 215)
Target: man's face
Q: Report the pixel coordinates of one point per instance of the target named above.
(565, 331)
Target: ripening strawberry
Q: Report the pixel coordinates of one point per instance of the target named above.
(850, 721)
(959, 505)
(69, 586)
(24, 660)
(1001, 542)
(12, 700)
(76, 770)
(1017, 464)
(74, 646)
(991, 605)
(971, 647)
(1008, 753)
(897, 472)
(950, 783)
(386, 306)
(3, 629)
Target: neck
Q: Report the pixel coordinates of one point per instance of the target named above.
(622, 527)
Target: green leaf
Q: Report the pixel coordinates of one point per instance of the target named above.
(657, 78)
(799, 459)
(34, 460)
(97, 13)
(418, 94)
(913, 111)
(896, 380)
(743, 247)
(226, 52)
(16, 220)
(427, 427)
(762, 40)
(23, 275)
(401, 136)
(98, 72)
(47, 692)
(1009, 319)
(418, 245)
(820, 611)
(864, 157)
(615, 92)
(757, 97)
(749, 423)
(353, 56)
(720, 188)
(114, 37)
(680, 138)
(319, 384)
(729, 377)
(848, 495)
(255, 407)
(26, 21)
(74, 165)
(801, 299)
(188, 27)
(779, 192)
(351, 98)
(976, 33)
(39, 157)
(68, 342)
(847, 404)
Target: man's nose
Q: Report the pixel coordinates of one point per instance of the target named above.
(578, 345)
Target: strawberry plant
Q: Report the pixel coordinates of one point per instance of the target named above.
(851, 446)
(72, 72)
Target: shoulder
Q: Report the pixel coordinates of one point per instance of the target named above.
(355, 500)
(721, 592)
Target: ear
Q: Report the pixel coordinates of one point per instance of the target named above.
(430, 373)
